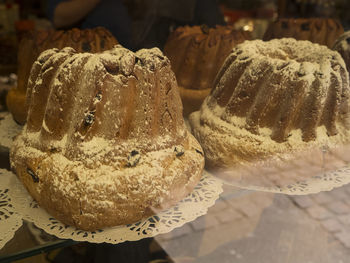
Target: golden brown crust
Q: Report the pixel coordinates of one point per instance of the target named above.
(196, 55)
(105, 142)
(95, 205)
(273, 98)
(35, 42)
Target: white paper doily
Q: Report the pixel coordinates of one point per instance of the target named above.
(315, 184)
(194, 205)
(309, 172)
(8, 129)
(10, 220)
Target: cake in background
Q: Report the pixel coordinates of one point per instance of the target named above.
(31, 45)
(316, 21)
(342, 45)
(274, 98)
(196, 55)
(323, 31)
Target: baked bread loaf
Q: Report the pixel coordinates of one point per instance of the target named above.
(35, 42)
(323, 31)
(196, 55)
(273, 98)
(342, 45)
(105, 142)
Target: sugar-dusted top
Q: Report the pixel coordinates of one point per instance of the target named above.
(283, 84)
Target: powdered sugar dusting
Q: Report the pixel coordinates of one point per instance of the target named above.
(231, 143)
(149, 183)
(106, 167)
(279, 51)
(267, 84)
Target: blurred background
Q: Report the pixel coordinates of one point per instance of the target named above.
(149, 22)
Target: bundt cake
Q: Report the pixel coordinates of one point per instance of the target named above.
(273, 98)
(35, 42)
(105, 141)
(196, 55)
(323, 31)
(342, 45)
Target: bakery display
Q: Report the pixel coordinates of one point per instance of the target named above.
(271, 98)
(105, 142)
(323, 31)
(342, 45)
(196, 55)
(31, 45)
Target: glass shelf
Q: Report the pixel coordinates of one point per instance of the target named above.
(29, 241)
(252, 226)
(243, 226)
